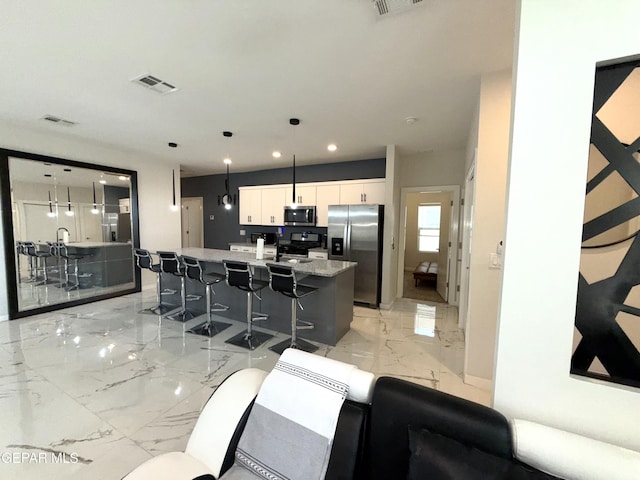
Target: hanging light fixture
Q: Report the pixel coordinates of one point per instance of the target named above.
(69, 212)
(51, 213)
(227, 200)
(94, 210)
(294, 122)
(174, 206)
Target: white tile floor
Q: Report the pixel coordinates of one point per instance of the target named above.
(92, 391)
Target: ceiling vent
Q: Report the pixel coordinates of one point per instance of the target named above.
(155, 84)
(386, 7)
(58, 121)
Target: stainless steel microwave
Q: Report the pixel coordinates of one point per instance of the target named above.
(300, 216)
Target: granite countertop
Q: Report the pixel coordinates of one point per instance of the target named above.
(321, 268)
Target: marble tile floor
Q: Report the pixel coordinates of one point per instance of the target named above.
(93, 391)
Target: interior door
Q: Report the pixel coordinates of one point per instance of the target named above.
(192, 222)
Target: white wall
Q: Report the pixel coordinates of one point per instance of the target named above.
(559, 46)
(488, 224)
(445, 167)
(159, 226)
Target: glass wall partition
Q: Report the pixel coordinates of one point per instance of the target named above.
(73, 227)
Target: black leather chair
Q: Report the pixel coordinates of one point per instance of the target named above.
(145, 260)
(170, 263)
(195, 271)
(282, 279)
(239, 275)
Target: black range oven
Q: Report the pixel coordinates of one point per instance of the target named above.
(300, 244)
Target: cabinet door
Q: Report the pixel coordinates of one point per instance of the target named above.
(374, 192)
(305, 196)
(250, 206)
(273, 201)
(351, 193)
(326, 195)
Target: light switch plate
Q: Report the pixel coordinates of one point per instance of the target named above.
(243, 232)
(212, 217)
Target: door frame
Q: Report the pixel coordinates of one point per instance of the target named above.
(453, 236)
(466, 234)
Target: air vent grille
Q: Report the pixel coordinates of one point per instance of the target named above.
(155, 84)
(58, 120)
(385, 7)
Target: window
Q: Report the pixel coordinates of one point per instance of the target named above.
(429, 228)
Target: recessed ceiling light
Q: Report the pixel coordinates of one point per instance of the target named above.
(276, 154)
(332, 147)
(227, 161)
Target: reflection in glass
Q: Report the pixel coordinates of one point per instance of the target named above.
(73, 232)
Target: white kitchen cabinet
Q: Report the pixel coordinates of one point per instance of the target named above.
(355, 193)
(273, 202)
(305, 195)
(326, 195)
(243, 248)
(318, 255)
(250, 208)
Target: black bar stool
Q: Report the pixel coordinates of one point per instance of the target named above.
(239, 275)
(195, 271)
(170, 263)
(282, 279)
(145, 260)
(63, 251)
(39, 259)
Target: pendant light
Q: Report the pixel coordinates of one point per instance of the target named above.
(94, 210)
(294, 122)
(51, 213)
(174, 206)
(69, 212)
(227, 200)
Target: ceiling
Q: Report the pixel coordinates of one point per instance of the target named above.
(351, 76)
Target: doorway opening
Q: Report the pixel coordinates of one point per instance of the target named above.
(428, 240)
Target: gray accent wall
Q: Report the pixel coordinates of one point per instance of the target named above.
(225, 229)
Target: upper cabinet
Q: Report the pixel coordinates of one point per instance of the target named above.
(250, 209)
(326, 195)
(367, 192)
(305, 195)
(264, 205)
(273, 201)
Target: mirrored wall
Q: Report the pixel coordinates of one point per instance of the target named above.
(74, 228)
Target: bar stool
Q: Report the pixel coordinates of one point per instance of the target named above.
(145, 260)
(38, 257)
(170, 263)
(195, 271)
(67, 256)
(239, 275)
(282, 279)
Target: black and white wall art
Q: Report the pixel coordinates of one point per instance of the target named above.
(607, 333)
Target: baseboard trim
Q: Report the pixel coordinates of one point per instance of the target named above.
(482, 383)
(385, 306)
(4, 318)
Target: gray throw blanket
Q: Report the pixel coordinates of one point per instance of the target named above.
(290, 430)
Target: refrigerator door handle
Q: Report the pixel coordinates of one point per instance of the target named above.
(347, 240)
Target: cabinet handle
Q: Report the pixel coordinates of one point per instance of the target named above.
(361, 200)
(365, 197)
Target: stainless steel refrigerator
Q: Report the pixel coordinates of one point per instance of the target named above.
(355, 235)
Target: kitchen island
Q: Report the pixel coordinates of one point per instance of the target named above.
(330, 308)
